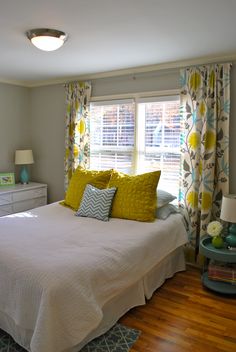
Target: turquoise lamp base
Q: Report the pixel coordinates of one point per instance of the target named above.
(231, 237)
(24, 175)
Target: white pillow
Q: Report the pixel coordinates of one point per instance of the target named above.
(163, 212)
(164, 198)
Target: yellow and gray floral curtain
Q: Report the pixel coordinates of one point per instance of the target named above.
(77, 127)
(205, 107)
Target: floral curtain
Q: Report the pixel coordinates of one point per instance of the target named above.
(205, 107)
(77, 127)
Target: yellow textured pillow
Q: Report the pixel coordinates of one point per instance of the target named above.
(78, 182)
(135, 198)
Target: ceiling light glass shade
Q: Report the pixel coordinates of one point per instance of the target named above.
(46, 39)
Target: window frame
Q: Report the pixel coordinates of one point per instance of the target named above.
(139, 126)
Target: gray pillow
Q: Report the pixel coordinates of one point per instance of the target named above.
(96, 203)
(164, 198)
(163, 212)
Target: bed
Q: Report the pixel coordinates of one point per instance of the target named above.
(65, 279)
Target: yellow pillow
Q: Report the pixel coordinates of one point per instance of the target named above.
(135, 198)
(78, 182)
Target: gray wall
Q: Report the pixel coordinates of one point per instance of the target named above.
(150, 81)
(14, 124)
(47, 110)
(37, 115)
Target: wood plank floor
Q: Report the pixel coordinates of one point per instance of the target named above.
(182, 316)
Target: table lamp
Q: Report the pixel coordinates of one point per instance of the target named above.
(228, 213)
(24, 157)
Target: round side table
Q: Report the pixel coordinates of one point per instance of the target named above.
(224, 255)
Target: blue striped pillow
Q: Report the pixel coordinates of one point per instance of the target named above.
(96, 203)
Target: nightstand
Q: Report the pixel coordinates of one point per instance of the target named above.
(17, 198)
(223, 255)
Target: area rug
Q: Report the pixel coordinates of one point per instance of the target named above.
(119, 338)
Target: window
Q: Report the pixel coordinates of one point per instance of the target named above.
(159, 121)
(112, 135)
(137, 137)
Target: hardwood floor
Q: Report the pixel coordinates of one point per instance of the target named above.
(183, 316)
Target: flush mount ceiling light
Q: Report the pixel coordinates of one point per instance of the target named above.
(46, 39)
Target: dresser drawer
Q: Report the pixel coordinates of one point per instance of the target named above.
(18, 198)
(29, 194)
(29, 204)
(5, 198)
(6, 209)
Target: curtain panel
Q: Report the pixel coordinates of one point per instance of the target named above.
(77, 128)
(205, 108)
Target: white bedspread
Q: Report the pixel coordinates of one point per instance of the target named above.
(57, 270)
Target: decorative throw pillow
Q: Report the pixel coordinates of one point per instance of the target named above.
(164, 198)
(136, 197)
(78, 182)
(96, 203)
(163, 212)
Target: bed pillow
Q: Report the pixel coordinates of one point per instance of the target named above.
(96, 203)
(136, 197)
(78, 182)
(164, 198)
(165, 211)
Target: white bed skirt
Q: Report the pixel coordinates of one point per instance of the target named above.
(137, 294)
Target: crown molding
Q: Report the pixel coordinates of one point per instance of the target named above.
(15, 82)
(123, 72)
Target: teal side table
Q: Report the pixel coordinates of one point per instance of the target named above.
(224, 255)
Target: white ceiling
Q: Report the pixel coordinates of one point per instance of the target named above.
(106, 35)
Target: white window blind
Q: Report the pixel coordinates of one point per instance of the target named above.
(137, 139)
(161, 147)
(112, 135)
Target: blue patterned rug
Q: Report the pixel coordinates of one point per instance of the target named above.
(119, 338)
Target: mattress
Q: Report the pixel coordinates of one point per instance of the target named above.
(58, 271)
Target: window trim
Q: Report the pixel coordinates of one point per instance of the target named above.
(137, 98)
(156, 99)
(111, 101)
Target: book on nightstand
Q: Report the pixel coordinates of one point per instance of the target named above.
(225, 272)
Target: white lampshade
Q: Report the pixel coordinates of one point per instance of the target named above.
(228, 208)
(24, 157)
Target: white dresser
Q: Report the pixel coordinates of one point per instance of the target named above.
(17, 198)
